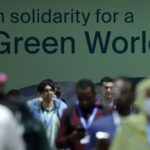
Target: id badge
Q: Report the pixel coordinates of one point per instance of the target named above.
(85, 140)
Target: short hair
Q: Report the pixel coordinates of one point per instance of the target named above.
(85, 83)
(44, 83)
(105, 79)
(14, 92)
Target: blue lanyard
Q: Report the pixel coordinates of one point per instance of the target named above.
(87, 125)
(48, 121)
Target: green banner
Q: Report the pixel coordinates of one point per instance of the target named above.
(69, 40)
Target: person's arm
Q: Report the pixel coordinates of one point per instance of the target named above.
(10, 135)
(62, 137)
(66, 134)
(34, 101)
(14, 138)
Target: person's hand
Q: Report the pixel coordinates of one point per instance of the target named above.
(102, 144)
(76, 136)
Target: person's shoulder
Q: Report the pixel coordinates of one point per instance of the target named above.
(133, 118)
(69, 111)
(134, 121)
(6, 114)
(63, 104)
(105, 110)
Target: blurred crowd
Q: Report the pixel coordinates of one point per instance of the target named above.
(117, 117)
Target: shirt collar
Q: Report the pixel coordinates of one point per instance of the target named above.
(48, 109)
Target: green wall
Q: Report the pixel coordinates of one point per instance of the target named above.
(26, 69)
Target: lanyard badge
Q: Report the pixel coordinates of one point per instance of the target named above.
(86, 125)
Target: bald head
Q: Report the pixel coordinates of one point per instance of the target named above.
(123, 92)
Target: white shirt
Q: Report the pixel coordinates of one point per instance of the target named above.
(10, 138)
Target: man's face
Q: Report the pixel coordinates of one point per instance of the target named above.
(85, 97)
(106, 90)
(47, 93)
(123, 93)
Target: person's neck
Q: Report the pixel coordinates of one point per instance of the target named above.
(124, 112)
(47, 104)
(106, 101)
(87, 110)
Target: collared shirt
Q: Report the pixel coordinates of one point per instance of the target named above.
(59, 104)
(111, 104)
(49, 117)
(47, 114)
